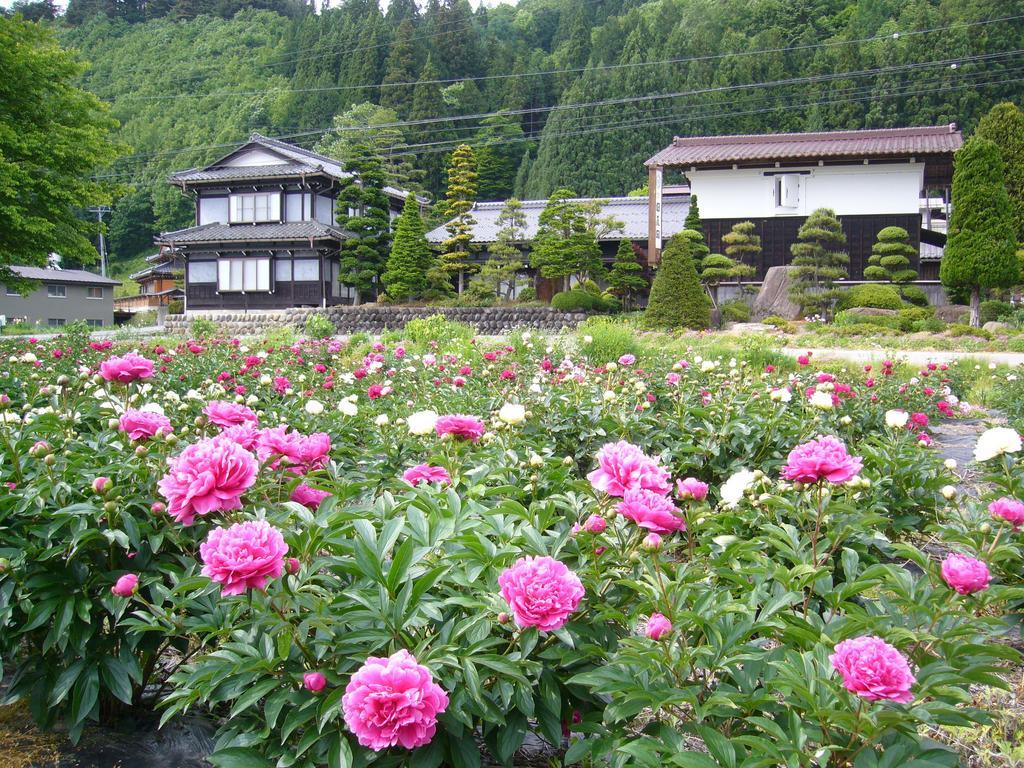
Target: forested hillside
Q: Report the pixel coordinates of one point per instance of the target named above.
(587, 89)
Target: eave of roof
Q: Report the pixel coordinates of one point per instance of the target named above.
(70, 276)
(246, 233)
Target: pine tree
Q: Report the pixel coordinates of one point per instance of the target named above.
(566, 245)
(625, 277)
(1004, 125)
(459, 200)
(427, 104)
(362, 210)
(677, 298)
(400, 69)
(499, 148)
(406, 274)
(693, 217)
(819, 261)
(506, 254)
(890, 257)
(743, 247)
(981, 249)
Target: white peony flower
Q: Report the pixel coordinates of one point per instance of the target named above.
(382, 420)
(822, 400)
(348, 408)
(314, 407)
(735, 487)
(781, 395)
(995, 442)
(950, 464)
(422, 422)
(708, 365)
(896, 419)
(512, 413)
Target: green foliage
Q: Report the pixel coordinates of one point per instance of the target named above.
(53, 137)
(743, 246)
(819, 261)
(890, 257)
(779, 322)
(579, 300)
(176, 307)
(981, 250)
(363, 210)
(625, 277)
(500, 146)
(1004, 126)
(962, 329)
(370, 129)
(604, 340)
(735, 311)
(677, 299)
(436, 328)
(848, 317)
(692, 221)
(319, 326)
(203, 328)
(995, 310)
(914, 294)
(867, 295)
(405, 276)
(459, 200)
(527, 294)
(499, 272)
(566, 243)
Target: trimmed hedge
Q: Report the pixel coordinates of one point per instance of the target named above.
(577, 300)
(877, 296)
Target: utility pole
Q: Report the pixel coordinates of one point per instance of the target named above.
(99, 211)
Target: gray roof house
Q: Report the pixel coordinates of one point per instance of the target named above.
(63, 296)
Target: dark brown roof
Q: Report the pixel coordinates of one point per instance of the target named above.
(218, 233)
(881, 142)
(239, 172)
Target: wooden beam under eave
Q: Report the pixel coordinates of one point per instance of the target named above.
(653, 204)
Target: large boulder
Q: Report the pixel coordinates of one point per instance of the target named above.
(773, 298)
(953, 313)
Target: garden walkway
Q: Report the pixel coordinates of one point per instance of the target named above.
(914, 356)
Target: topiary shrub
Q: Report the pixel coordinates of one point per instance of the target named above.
(995, 310)
(915, 295)
(848, 318)
(678, 300)
(911, 315)
(735, 311)
(931, 325)
(589, 286)
(527, 294)
(877, 296)
(577, 300)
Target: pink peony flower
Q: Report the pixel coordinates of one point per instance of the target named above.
(541, 592)
(822, 459)
(393, 701)
(965, 574)
(127, 368)
(101, 485)
(142, 425)
(245, 434)
(1010, 510)
(209, 476)
(126, 586)
(622, 466)
(424, 473)
(301, 453)
(657, 626)
(459, 425)
(244, 556)
(314, 682)
(873, 669)
(595, 524)
(308, 496)
(627, 359)
(691, 488)
(652, 511)
(224, 413)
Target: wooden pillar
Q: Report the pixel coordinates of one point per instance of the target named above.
(654, 219)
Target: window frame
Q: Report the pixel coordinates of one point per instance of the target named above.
(90, 288)
(254, 207)
(56, 322)
(244, 275)
(50, 287)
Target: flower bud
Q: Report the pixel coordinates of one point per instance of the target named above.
(292, 564)
(5, 565)
(536, 460)
(985, 528)
(314, 682)
(651, 542)
(950, 464)
(948, 492)
(110, 507)
(503, 618)
(141, 450)
(101, 485)
(567, 461)
(50, 460)
(157, 507)
(126, 586)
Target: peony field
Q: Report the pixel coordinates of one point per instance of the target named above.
(430, 548)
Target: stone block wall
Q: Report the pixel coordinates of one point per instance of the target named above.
(379, 318)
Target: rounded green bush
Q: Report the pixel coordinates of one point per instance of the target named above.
(915, 295)
(995, 310)
(577, 300)
(735, 311)
(877, 296)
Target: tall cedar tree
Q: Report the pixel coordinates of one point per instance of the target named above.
(506, 255)
(677, 300)
(981, 249)
(693, 217)
(499, 145)
(743, 246)
(364, 254)
(427, 104)
(401, 71)
(405, 277)
(374, 127)
(890, 257)
(1004, 125)
(819, 261)
(459, 200)
(53, 137)
(626, 278)
(566, 243)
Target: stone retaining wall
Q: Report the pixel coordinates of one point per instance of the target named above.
(376, 319)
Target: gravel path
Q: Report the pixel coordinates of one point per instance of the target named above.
(915, 356)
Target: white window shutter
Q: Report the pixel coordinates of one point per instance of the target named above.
(275, 206)
(263, 275)
(224, 275)
(791, 190)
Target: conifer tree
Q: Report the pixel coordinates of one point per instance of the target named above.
(625, 277)
(1004, 125)
(427, 104)
(890, 257)
(743, 247)
(693, 217)
(363, 210)
(506, 254)
(981, 249)
(566, 245)
(459, 200)
(406, 274)
(400, 70)
(677, 298)
(819, 261)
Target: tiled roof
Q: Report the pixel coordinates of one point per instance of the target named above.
(631, 211)
(931, 252)
(882, 142)
(62, 276)
(233, 172)
(217, 233)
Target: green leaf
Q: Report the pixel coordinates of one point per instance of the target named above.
(65, 681)
(239, 757)
(253, 694)
(718, 746)
(86, 694)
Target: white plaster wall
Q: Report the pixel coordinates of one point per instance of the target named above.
(848, 189)
(256, 157)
